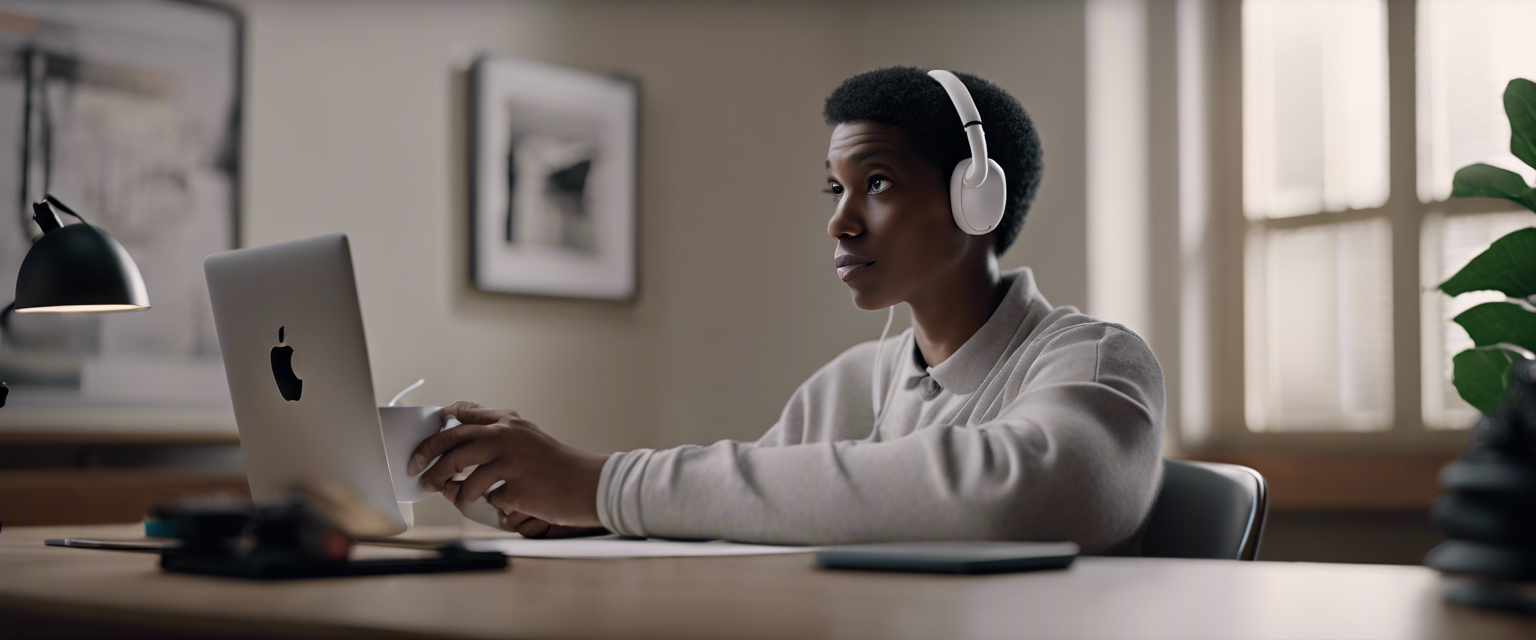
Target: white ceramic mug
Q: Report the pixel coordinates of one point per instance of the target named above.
(404, 429)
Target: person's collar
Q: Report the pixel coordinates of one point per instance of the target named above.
(964, 371)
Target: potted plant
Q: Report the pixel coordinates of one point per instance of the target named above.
(1488, 504)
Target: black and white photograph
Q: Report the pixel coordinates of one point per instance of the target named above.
(129, 112)
(553, 164)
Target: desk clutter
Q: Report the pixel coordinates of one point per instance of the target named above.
(310, 533)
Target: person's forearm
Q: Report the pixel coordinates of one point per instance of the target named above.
(1015, 478)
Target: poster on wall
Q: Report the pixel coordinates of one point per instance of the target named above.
(132, 115)
(553, 176)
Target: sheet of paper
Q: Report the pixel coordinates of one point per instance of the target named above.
(612, 546)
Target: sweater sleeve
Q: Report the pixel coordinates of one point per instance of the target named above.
(1075, 455)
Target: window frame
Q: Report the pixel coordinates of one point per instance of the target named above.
(1407, 431)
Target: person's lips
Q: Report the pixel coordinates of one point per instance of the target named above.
(849, 265)
(853, 271)
(847, 259)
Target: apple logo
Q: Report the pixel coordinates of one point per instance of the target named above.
(282, 369)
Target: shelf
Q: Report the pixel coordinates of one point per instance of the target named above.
(100, 496)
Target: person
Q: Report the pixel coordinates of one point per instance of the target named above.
(995, 416)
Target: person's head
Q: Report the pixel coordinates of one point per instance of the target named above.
(896, 139)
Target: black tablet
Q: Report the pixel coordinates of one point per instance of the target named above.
(950, 557)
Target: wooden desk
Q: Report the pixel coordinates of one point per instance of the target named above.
(762, 596)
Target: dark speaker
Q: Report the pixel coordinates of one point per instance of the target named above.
(1487, 507)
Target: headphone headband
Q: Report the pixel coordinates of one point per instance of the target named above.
(970, 120)
(977, 193)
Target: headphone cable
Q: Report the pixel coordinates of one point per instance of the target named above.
(874, 385)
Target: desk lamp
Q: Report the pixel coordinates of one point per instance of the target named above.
(77, 268)
(71, 269)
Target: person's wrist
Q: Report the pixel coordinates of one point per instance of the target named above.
(591, 477)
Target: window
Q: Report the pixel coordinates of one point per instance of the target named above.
(1314, 106)
(1450, 242)
(1318, 319)
(1354, 116)
(1320, 326)
(1467, 52)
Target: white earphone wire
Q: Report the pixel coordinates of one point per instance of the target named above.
(874, 374)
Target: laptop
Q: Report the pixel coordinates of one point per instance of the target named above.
(291, 332)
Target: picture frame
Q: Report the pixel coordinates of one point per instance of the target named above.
(553, 181)
(141, 130)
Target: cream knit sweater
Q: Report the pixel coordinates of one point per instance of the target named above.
(1046, 425)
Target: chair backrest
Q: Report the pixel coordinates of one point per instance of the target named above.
(1207, 510)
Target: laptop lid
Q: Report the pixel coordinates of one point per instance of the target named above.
(291, 332)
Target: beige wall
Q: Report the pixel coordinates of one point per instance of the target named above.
(355, 124)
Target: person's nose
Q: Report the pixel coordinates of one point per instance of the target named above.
(847, 220)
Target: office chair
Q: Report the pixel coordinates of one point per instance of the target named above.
(1207, 510)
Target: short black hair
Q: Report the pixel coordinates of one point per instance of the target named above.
(912, 101)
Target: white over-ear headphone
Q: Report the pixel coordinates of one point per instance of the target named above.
(977, 194)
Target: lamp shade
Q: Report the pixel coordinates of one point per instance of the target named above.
(79, 268)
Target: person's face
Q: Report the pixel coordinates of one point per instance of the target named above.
(891, 207)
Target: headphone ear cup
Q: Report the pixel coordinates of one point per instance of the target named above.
(979, 209)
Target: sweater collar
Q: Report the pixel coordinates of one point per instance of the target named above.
(964, 371)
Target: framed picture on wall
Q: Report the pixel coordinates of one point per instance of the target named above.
(135, 121)
(553, 181)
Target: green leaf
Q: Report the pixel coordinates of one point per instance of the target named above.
(1480, 376)
(1487, 181)
(1520, 106)
(1509, 266)
(1500, 322)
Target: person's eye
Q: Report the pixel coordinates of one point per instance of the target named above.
(879, 185)
(836, 190)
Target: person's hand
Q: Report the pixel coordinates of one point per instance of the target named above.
(550, 488)
(522, 523)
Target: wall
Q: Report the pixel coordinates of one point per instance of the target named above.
(355, 124)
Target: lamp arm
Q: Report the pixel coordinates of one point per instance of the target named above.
(26, 55)
(57, 204)
(5, 332)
